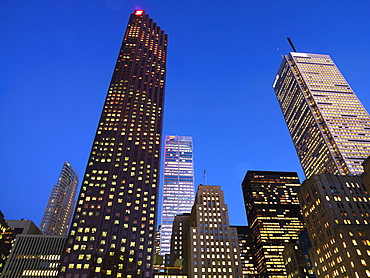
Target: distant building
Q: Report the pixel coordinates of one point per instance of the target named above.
(336, 211)
(34, 256)
(213, 244)
(6, 240)
(329, 126)
(179, 253)
(178, 184)
(247, 255)
(59, 209)
(274, 215)
(23, 226)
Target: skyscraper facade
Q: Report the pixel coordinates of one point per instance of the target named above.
(178, 184)
(59, 209)
(113, 228)
(213, 244)
(336, 212)
(247, 255)
(329, 126)
(273, 212)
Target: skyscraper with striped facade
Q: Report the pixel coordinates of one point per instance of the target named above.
(59, 209)
(329, 126)
(178, 184)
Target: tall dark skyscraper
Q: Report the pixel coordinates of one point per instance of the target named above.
(113, 228)
(273, 212)
(329, 126)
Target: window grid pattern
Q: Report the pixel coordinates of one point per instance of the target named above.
(113, 228)
(329, 126)
(178, 184)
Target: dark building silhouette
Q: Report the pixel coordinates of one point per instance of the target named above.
(274, 216)
(113, 228)
(296, 257)
(247, 255)
(179, 254)
(6, 240)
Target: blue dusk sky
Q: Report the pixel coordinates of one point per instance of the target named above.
(58, 56)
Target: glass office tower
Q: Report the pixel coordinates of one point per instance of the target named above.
(178, 184)
(329, 126)
(113, 228)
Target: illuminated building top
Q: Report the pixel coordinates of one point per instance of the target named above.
(329, 126)
(273, 212)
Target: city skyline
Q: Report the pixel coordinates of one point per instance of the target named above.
(50, 99)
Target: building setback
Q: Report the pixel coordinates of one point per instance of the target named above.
(58, 213)
(23, 226)
(178, 184)
(329, 126)
(273, 213)
(113, 228)
(213, 244)
(34, 256)
(336, 212)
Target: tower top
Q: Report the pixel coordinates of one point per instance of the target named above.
(139, 12)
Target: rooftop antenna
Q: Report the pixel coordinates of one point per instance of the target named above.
(291, 44)
(205, 176)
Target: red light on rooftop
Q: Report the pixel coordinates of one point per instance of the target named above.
(139, 12)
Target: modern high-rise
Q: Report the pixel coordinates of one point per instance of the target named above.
(113, 228)
(59, 209)
(178, 184)
(336, 212)
(213, 244)
(329, 126)
(273, 213)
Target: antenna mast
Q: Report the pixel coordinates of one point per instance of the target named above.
(291, 44)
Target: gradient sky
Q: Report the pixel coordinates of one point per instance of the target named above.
(58, 58)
